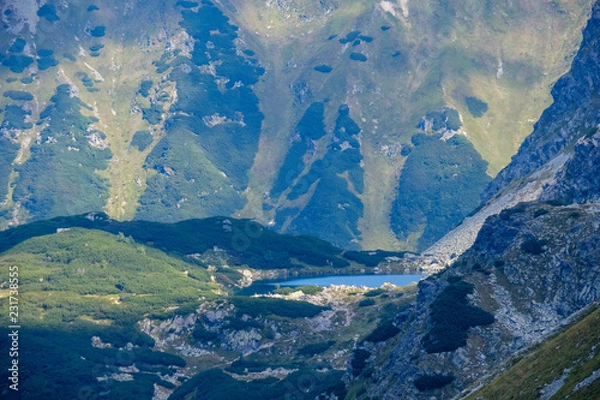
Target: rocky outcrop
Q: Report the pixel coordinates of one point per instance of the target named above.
(579, 180)
(532, 267)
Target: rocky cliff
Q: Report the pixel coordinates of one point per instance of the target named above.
(532, 269)
(578, 181)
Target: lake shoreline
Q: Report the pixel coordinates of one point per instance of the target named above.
(365, 281)
(309, 272)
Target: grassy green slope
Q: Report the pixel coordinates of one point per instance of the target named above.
(428, 55)
(412, 59)
(105, 80)
(78, 284)
(85, 274)
(562, 362)
(104, 54)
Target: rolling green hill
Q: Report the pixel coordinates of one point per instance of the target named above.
(101, 314)
(80, 288)
(239, 243)
(89, 275)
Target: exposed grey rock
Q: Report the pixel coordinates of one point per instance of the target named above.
(244, 342)
(589, 380)
(550, 390)
(530, 293)
(579, 181)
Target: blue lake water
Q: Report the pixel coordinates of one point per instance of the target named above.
(370, 281)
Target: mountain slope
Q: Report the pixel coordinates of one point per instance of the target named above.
(572, 116)
(532, 269)
(557, 161)
(190, 110)
(426, 72)
(565, 365)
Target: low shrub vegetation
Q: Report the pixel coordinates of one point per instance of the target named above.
(366, 303)
(142, 139)
(532, 245)
(440, 184)
(358, 57)
(375, 292)
(216, 385)
(316, 348)
(260, 306)
(452, 316)
(371, 258)
(323, 68)
(359, 361)
(18, 95)
(386, 330)
(476, 107)
(430, 382)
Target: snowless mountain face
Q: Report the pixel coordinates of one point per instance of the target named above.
(556, 162)
(367, 124)
(371, 124)
(531, 276)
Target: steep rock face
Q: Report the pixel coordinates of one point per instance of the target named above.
(571, 116)
(578, 181)
(532, 267)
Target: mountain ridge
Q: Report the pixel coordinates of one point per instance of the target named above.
(128, 63)
(532, 267)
